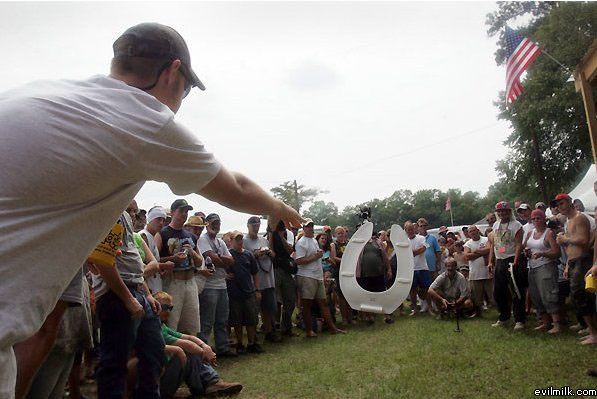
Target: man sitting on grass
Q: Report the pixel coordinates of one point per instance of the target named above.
(194, 365)
(450, 289)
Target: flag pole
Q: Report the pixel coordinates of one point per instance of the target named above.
(451, 217)
(556, 61)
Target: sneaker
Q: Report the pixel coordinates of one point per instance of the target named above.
(389, 320)
(576, 327)
(519, 326)
(240, 349)
(254, 348)
(222, 388)
(584, 331)
(499, 323)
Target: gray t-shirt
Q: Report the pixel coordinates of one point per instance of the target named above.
(71, 162)
(205, 244)
(129, 263)
(264, 263)
(74, 292)
(452, 288)
(154, 282)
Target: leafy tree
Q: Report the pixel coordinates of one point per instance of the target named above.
(295, 195)
(549, 107)
(323, 213)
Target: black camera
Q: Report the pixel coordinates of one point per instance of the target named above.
(364, 213)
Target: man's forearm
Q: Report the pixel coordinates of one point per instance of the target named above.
(238, 192)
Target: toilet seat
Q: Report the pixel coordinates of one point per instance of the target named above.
(376, 302)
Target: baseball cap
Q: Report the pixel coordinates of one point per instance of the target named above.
(502, 205)
(212, 217)
(562, 196)
(180, 203)
(156, 41)
(234, 234)
(523, 206)
(156, 212)
(195, 221)
(254, 220)
(443, 229)
(540, 204)
(308, 221)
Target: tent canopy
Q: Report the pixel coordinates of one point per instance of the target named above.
(584, 190)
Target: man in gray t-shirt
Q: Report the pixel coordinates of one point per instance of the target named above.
(450, 289)
(120, 331)
(213, 301)
(260, 248)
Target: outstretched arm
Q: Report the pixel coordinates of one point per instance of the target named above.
(239, 193)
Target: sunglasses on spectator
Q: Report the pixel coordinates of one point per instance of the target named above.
(167, 308)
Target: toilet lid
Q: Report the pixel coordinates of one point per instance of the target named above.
(387, 301)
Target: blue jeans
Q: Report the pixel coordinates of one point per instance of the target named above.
(119, 335)
(196, 374)
(214, 315)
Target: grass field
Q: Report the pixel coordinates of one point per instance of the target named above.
(416, 358)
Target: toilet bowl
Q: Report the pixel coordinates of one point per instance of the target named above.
(387, 301)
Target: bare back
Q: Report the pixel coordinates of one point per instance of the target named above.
(578, 232)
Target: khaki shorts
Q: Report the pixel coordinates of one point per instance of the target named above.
(310, 288)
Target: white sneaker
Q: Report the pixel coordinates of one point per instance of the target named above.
(519, 326)
(584, 331)
(576, 327)
(424, 306)
(499, 323)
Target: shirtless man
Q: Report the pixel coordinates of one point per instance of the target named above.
(577, 240)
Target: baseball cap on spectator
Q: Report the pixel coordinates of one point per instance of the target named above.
(442, 229)
(158, 42)
(307, 222)
(195, 221)
(502, 205)
(254, 220)
(234, 234)
(156, 212)
(523, 206)
(540, 205)
(180, 203)
(212, 217)
(326, 229)
(562, 196)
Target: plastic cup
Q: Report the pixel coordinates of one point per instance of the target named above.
(105, 252)
(591, 283)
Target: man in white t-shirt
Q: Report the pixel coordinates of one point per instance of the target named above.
(476, 252)
(421, 276)
(85, 137)
(309, 279)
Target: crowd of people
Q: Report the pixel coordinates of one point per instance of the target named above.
(199, 285)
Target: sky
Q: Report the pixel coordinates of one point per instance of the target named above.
(358, 99)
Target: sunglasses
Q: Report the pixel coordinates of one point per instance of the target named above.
(167, 308)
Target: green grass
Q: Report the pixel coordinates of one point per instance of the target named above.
(416, 358)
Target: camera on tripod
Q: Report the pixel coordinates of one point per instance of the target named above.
(364, 213)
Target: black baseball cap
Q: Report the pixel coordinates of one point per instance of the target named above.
(156, 41)
(254, 220)
(212, 217)
(180, 203)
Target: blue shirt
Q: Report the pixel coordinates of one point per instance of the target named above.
(432, 248)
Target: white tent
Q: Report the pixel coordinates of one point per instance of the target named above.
(584, 190)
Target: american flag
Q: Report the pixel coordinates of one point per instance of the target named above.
(521, 53)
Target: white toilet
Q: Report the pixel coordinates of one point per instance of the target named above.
(376, 302)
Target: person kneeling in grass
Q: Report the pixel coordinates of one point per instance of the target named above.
(191, 361)
(451, 289)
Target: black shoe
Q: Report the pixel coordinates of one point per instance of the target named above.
(240, 349)
(389, 320)
(273, 337)
(227, 354)
(254, 348)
